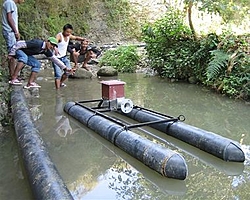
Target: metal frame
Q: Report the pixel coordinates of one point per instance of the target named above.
(99, 110)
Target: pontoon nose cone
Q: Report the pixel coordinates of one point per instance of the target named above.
(176, 167)
(234, 153)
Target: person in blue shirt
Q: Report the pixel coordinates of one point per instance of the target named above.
(26, 50)
(10, 27)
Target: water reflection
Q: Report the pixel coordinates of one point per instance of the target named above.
(242, 183)
(129, 178)
(13, 183)
(62, 126)
(229, 168)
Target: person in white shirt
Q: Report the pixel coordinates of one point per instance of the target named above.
(63, 41)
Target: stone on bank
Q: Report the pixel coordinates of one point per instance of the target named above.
(107, 71)
(82, 73)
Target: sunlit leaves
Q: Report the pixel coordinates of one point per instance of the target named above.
(124, 58)
(233, 11)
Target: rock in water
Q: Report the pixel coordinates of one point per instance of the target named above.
(82, 73)
(107, 71)
(192, 80)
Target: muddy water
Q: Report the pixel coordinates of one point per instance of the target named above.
(93, 168)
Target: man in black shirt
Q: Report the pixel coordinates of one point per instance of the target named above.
(82, 53)
(26, 50)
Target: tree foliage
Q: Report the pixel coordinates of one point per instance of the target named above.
(217, 64)
(172, 49)
(221, 62)
(234, 78)
(44, 18)
(228, 10)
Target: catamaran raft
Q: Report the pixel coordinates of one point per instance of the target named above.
(157, 157)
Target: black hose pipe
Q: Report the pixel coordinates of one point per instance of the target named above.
(43, 176)
(209, 142)
(159, 158)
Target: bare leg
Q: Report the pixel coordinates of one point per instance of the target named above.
(92, 54)
(87, 59)
(75, 58)
(57, 83)
(64, 77)
(12, 63)
(17, 70)
(32, 77)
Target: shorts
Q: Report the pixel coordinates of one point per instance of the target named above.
(58, 72)
(10, 39)
(81, 58)
(28, 60)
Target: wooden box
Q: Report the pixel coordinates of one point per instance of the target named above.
(113, 89)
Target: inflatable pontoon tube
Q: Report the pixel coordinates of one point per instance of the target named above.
(159, 158)
(209, 142)
(43, 176)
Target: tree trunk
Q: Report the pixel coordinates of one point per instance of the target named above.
(190, 5)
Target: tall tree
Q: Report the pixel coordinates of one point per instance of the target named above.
(229, 10)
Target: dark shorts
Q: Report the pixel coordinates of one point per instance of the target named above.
(81, 58)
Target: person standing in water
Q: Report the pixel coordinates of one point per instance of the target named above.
(63, 41)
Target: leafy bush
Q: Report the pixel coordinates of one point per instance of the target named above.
(161, 39)
(238, 86)
(4, 88)
(229, 70)
(221, 62)
(172, 49)
(124, 58)
(217, 63)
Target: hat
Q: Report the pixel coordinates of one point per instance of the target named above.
(53, 41)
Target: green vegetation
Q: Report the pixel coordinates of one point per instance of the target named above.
(43, 18)
(221, 62)
(4, 94)
(124, 58)
(229, 11)
(174, 48)
(120, 17)
(229, 66)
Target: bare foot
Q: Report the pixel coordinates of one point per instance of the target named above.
(85, 67)
(75, 66)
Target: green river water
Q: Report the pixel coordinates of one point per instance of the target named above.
(93, 168)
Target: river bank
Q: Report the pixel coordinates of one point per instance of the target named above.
(142, 67)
